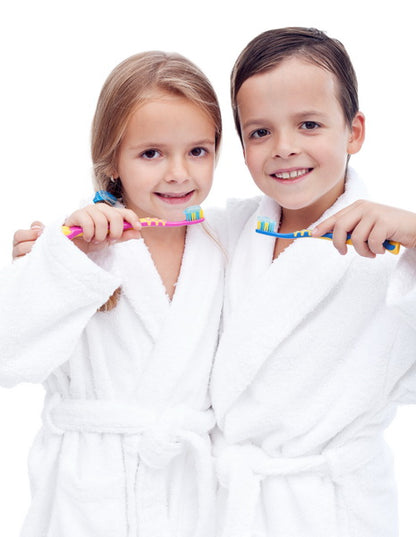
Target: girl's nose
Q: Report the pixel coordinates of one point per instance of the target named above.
(177, 171)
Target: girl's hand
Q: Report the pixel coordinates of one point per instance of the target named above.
(370, 224)
(24, 239)
(103, 224)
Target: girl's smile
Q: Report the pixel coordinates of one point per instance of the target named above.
(295, 136)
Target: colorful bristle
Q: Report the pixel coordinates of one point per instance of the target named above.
(193, 213)
(266, 225)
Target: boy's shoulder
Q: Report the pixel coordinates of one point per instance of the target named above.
(241, 210)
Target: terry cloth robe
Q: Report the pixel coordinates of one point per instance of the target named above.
(317, 351)
(124, 450)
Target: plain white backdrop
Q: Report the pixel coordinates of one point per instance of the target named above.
(55, 56)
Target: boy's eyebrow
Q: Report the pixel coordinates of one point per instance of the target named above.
(310, 112)
(252, 122)
(298, 115)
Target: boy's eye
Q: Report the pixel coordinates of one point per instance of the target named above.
(198, 152)
(259, 133)
(150, 154)
(309, 125)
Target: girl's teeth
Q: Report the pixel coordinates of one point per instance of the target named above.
(174, 195)
(291, 175)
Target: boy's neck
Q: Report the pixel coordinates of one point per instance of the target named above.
(294, 220)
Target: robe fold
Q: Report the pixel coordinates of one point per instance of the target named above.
(317, 351)
(124, 449)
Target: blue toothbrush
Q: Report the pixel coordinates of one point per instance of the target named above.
(267, 226)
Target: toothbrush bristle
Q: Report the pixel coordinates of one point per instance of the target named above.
(194, 213)
(266, 224)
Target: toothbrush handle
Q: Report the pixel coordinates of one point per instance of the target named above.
(391, 246)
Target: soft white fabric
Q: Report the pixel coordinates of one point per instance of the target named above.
(124, 450)
(317, 351)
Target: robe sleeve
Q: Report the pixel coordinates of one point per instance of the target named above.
(47, 299)
(401, 298)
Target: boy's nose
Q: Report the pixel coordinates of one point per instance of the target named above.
(285, 146)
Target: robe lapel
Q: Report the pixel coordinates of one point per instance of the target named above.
(269, 300)
(194, 315)
(141, 284)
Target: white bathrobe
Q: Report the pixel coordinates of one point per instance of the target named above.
(317, 351)
(124, 450)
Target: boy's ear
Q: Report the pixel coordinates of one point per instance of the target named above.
(357, 136)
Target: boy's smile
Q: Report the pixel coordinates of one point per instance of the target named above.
(295, 136)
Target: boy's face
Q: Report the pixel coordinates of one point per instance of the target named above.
(295, 137)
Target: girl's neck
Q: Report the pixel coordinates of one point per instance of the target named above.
(166, 246)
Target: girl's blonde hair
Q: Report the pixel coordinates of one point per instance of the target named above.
(129, 85)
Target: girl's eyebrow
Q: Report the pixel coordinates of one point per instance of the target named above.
(141, 145)
(206, 141)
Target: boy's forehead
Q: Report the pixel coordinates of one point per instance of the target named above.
(293, 78)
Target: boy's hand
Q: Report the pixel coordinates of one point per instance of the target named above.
(370, 224)
(24, 239)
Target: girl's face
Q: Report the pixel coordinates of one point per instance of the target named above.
(295, 136)
(166, 158)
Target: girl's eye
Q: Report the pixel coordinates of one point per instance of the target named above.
(198, 152)
(150, 154)
(309, 125)
(259, 133)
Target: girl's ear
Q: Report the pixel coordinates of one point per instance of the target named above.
(357, 136)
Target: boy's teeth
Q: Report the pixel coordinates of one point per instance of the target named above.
(291, 175)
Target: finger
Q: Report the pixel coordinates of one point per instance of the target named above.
(359, 238)
(376, 238)
(344, 217)
(101, 224)
(339, 239)
(23, 235)
(129, 235)
(132, 218)
(22, 248)
(37, 225)
(82, 219)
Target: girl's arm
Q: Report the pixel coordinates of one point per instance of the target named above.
(370, 224)
(47, 299)
(100, 224)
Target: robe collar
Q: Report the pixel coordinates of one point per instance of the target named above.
(176, 326)
(267, 300)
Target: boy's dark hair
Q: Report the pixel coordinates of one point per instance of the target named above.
(270, 48)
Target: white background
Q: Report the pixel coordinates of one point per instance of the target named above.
(54, 58)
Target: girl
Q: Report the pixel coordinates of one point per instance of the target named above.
(122, 332)
(318, 349)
